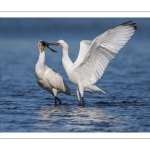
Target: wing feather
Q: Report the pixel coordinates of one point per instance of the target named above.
(84, 47)
(56, 80)
(103, 49)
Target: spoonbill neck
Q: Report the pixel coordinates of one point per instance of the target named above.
(41, 60)
(66, 61)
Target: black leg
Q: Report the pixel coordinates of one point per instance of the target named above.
(82, 102)
(79, 103)
(59, 100)
(55, 101)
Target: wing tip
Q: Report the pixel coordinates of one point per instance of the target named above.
(129, 23)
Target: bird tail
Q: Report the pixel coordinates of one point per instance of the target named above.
(67, 92)
(94, 88)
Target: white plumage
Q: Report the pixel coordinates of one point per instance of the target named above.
(47, 78)
(94, 57)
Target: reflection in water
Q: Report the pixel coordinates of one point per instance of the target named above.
(64, 118)
(46, 113)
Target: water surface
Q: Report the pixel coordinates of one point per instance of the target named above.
(25, 107)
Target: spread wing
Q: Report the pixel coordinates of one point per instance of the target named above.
(103, 49)
(84, 47)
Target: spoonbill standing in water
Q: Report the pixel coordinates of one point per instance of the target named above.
(47, 78)
(94, 57)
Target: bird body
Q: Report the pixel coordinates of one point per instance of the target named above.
(94, 57)
(47, 78)
(76, 76)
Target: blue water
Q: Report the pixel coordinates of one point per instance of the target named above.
(25, 107)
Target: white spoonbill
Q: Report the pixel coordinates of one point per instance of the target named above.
(46, 77)
(94, 57)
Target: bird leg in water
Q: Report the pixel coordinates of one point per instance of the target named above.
(79, 96)
(82, 102)
(58, 100)
(80, 99)
(55, 101)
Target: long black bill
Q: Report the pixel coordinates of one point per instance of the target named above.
(48, 44)
(52, 49)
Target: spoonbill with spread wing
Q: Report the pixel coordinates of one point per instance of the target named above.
(94, 57)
